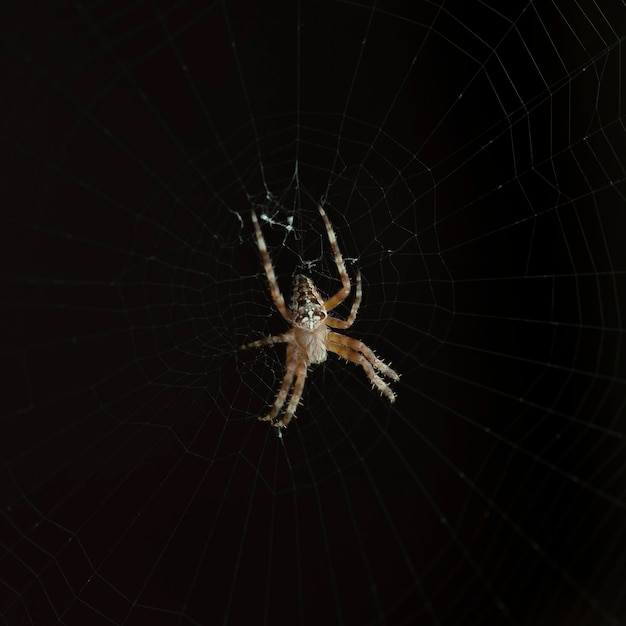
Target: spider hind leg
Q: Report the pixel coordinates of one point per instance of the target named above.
(357, 352)
(296, 395)
(281, 396)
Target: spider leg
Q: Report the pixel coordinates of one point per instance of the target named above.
(277, 296)
(357, 352)
(267, 341)
(360, 347)
(333, 322)
(290, 371)
(342, 294)
(298, 388)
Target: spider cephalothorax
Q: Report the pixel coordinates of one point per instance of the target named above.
(310, 338)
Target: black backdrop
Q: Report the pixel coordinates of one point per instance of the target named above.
(472, 163)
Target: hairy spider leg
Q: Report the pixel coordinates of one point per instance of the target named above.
(333, 322)
(355, 351)
(358, 346)
(342, 294)
(277, 296)
(281, 396)
(298, 388)
(267, 341)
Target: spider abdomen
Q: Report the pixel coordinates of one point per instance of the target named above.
(312, 344)
(307, 305)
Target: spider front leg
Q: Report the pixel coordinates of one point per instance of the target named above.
(342, 294)
(333, 322)
(277, 296)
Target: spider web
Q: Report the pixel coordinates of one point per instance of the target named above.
(470, 157)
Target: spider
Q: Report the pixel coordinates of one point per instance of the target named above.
(310, 338)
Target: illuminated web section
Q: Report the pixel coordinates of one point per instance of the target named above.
(470, 157)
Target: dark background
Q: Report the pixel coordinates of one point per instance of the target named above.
(472, 163)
